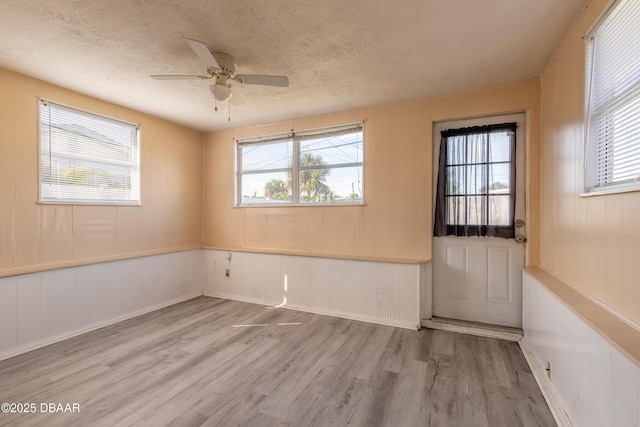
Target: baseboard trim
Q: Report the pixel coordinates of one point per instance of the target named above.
(61, 337)
(331, 313)
(548, 391)
(471, 330)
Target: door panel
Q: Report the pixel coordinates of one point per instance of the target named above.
(498, 274)
(457, 272)
(479, 278)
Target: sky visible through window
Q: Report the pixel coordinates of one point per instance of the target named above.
(86, 157)
(478, 178)
(333, 151)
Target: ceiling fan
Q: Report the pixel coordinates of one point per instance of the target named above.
(222, 68)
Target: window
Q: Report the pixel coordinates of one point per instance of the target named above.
(321, 166)
(475, 194)
(86, 158)
(613, 101)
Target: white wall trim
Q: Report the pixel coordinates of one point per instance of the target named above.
(41, 308)
(547, 389)
(377, 292)
(331, 313)
(61, 337)
(593, 380)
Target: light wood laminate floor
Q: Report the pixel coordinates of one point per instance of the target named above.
(214, 362)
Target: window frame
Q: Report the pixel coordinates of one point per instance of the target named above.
(593, 185)
(296, 137)
(136, 169)
(442, 227)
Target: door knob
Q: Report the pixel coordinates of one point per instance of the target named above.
(520, 238)
(520, 223)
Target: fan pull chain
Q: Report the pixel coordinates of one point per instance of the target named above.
(229, 110)
(215, 96)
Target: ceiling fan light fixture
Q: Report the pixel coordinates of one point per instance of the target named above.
(220, 92)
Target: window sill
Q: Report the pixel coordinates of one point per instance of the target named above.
(90, 203)
(300, 205)
(613, 189)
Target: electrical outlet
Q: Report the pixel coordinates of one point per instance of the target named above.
(227, 272)
(548, 369)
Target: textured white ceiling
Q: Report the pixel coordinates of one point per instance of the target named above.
(338, 54)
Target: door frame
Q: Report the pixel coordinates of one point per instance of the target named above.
(522, 135)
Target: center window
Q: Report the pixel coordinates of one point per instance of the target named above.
(320, 166)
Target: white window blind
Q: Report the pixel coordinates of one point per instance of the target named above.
(613, 132)
(86, 158)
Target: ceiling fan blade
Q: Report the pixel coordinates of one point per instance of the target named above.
(257, 79)
(203, 53)
(179, 77)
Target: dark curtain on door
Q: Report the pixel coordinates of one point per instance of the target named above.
(476, 186)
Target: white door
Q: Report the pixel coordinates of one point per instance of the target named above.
(479, 279)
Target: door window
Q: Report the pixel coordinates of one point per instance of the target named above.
(476, 182)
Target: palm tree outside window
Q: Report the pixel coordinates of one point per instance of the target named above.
(321, 166)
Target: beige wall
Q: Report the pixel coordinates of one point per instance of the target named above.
(591, 243)
(36, 236)
(396, 221)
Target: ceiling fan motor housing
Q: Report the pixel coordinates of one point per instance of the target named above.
(226, 63)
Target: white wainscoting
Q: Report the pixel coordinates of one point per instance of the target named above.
(592, 383)
(426, 291)
(38, 309)
(379, 292)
